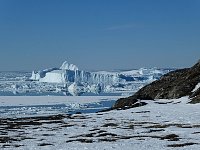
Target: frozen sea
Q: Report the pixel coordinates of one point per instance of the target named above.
(23, 106)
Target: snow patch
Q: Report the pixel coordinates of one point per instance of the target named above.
(196, 87)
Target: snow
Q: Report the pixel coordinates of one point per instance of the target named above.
(141, 128)
(196, 87)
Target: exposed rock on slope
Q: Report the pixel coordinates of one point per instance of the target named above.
(173, 85)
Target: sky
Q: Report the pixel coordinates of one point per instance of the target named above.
(99, 34)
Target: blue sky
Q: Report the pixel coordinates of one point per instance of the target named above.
(99, 34)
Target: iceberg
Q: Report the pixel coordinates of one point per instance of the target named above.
(79, 81)
(67, 66)
(76, 89)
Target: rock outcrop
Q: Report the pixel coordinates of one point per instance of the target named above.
(172, 85)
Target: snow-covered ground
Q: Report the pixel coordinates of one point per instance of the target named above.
(161, 124)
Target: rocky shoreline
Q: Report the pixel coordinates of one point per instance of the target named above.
(173, 85)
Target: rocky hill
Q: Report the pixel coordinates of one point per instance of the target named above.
(173, 85)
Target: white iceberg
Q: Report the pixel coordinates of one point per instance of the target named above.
(96, 82)
(67, 66)
(76, 89)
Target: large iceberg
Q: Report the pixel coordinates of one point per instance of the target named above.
(70, 73)
(66, 73)
(67, 66)
(80, 81)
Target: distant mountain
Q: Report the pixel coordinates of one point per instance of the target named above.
(173, 85)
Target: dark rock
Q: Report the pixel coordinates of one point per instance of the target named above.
(123, 102)
(170, 137)
(78, 113)
(181, 145)
(81, 140)
(44, 144)
(106, 134)
(5, 139)
(172, 85)
(110, 125)
(130, 102)
(195, 96)
(107, 140)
